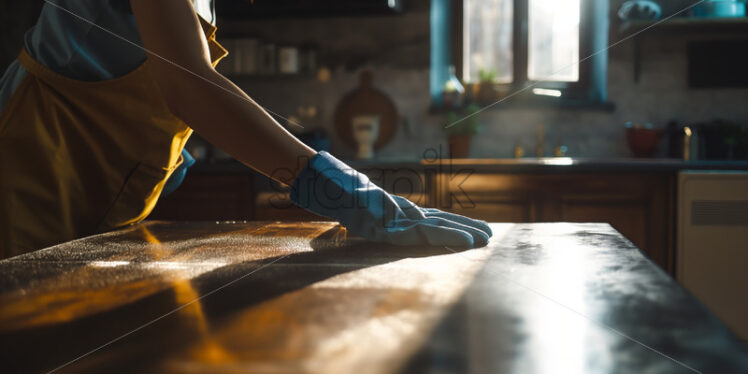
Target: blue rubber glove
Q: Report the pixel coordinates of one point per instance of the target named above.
(331, 188)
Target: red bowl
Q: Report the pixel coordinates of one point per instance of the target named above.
(643, 142)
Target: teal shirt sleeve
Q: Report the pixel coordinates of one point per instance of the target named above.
(91, 40)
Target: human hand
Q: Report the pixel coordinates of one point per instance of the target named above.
(333, 189)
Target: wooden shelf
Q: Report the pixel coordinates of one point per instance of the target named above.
(685, 25)
(524, 103)
(638, 30)
(269, 77)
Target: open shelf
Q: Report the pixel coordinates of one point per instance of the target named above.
(269, 77)
(685, 25)
(535, 103)
(639, 30)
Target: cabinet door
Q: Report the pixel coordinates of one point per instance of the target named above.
(273, 201)
(630, 216)
(277, 206)
(509, 209)
(638, 206)
(490, 197)
(207, 197)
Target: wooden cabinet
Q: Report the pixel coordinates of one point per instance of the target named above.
(208, 197)
(277, 206)
(639, 206)
(272, 202)
(251, 196)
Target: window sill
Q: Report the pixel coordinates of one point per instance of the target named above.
(517, 103)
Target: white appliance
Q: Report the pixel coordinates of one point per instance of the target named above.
(712, 259)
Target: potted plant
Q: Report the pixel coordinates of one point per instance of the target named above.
(485, 90)
(460, 130)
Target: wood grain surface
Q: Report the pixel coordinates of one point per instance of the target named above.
(232, 297)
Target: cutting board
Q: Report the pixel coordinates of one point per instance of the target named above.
(366, 100)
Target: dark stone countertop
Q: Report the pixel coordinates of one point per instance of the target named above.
(304, 297)
(522, 165)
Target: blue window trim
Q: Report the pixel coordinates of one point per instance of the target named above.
(591, 90)
(441, 37)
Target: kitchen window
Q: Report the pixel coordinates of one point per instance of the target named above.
(557, 47)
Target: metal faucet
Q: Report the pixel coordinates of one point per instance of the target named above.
(690, 144)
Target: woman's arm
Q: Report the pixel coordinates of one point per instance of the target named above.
(232, 121)
(214, 107)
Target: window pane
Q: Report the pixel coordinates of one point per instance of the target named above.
(487, 40)
(553, 40)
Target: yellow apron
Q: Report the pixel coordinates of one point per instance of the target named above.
(77, 157)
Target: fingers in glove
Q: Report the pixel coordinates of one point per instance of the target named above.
(423, 232)
(476, 223)
(480, 238)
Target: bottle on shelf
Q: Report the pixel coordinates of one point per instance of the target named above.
(453, 92)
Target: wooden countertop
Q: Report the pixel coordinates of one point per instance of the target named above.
(263, 297)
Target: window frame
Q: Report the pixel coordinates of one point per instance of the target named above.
(593, 38)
